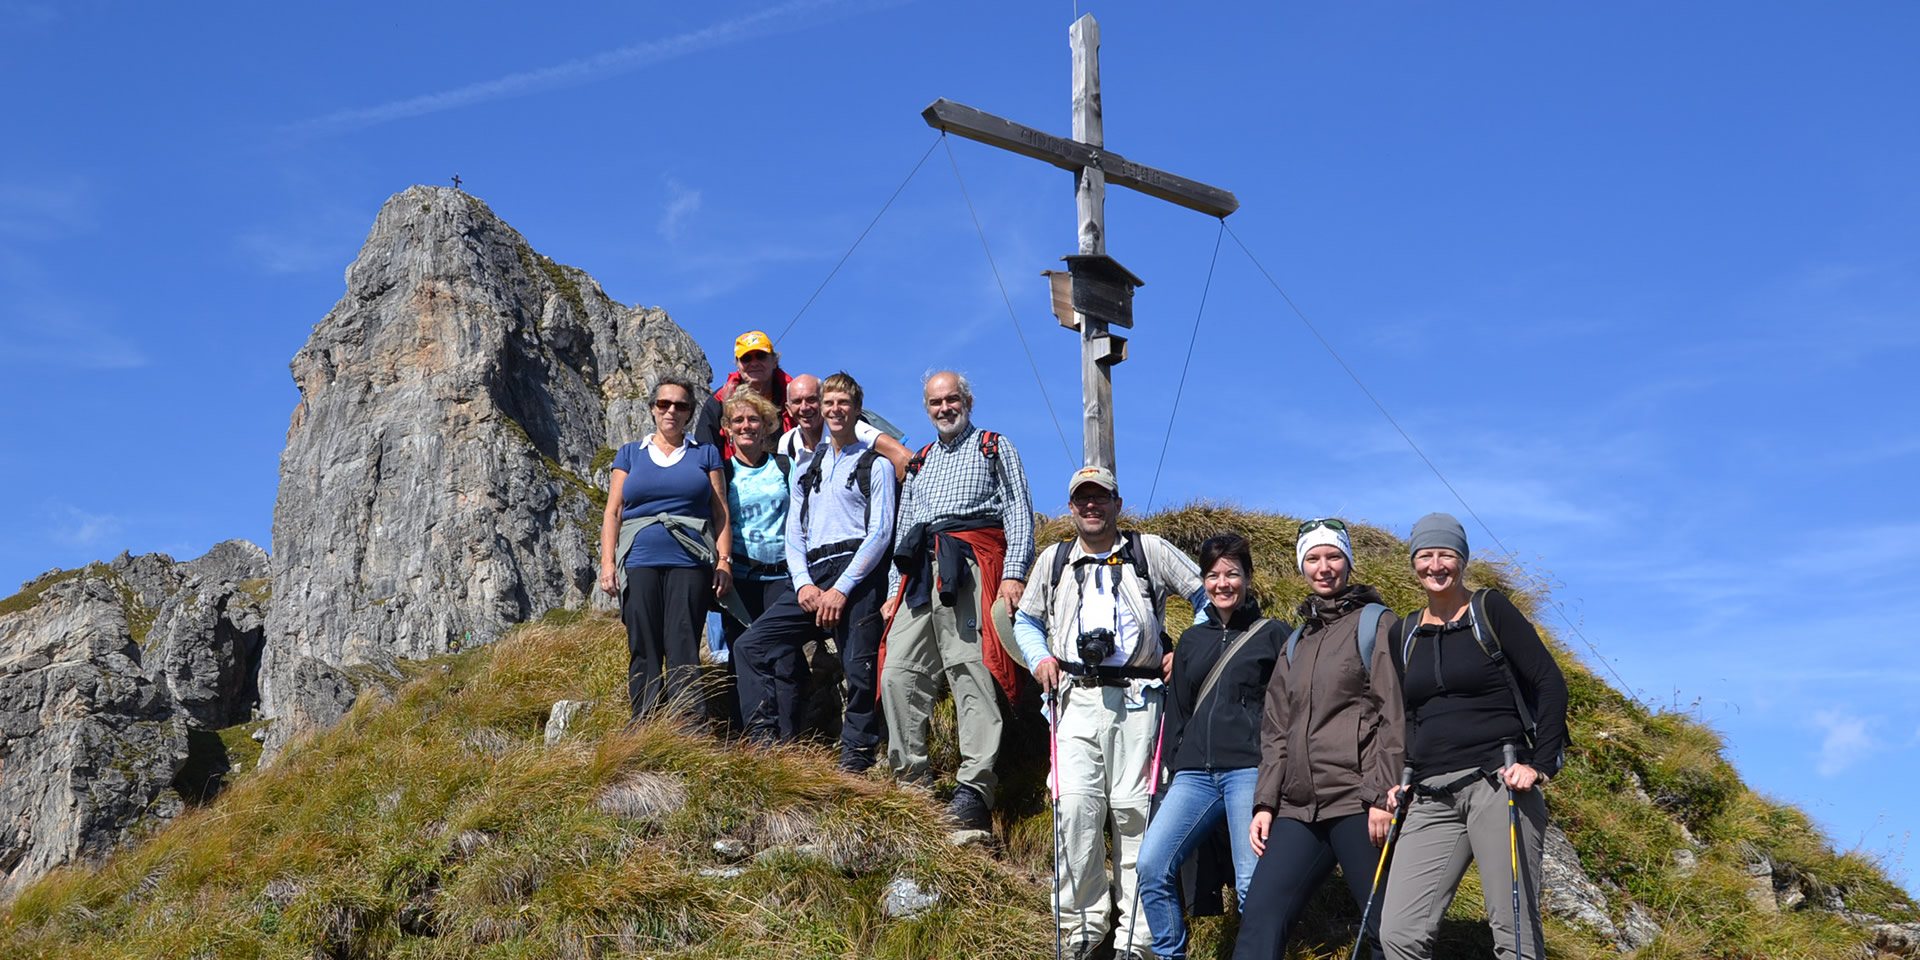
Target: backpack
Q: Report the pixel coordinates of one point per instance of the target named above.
(1130, 553)
(881, 424)
(989, 448)
(1489, 641)
(1369, 627)
(810, 479)
(784, 462)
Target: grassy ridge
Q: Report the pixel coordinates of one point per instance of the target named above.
(433, 822)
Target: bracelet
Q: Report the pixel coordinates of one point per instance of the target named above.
(726, 560)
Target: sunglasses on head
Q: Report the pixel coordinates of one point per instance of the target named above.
(1331, 523)
(665, 405)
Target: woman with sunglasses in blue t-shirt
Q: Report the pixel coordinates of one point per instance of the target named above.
(666, 546)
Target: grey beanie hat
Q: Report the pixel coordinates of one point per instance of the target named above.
(1438, 530)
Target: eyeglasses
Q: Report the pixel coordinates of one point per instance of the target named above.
(1331, 523)
(664, 405)
(1091, 499)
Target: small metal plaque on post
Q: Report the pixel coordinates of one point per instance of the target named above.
(1102, 288)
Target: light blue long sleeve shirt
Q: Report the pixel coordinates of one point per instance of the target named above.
(837, 512)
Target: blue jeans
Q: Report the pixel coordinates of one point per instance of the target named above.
(1194, 803)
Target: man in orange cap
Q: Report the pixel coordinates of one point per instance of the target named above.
(758, 368)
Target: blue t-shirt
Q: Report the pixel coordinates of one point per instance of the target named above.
(681, 488)
(757, 503)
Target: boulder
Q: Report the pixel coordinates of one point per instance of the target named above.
(446, 463)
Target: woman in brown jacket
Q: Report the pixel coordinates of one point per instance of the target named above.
(1331, 747)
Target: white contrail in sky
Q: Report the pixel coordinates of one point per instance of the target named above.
(785, 17)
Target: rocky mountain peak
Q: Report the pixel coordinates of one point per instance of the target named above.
(444, 466)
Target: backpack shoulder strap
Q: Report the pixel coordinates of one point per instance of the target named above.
(1409, 632)
(1220, 665)
(863, 471)
(1060, 552)
(785, 463)
(918, 461)
(1293, 639)
(1369, 631)
(989, 445)
(1489, 641)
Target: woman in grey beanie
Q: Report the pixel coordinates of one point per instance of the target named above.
(1465, 710)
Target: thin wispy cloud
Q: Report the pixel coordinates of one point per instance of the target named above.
(44, 209)
(682, 202)
(1844, 741)
(783, 18)
(28, 14)
(80, 528)
(63, 338)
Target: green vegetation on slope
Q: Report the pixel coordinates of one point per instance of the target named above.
(433, 822)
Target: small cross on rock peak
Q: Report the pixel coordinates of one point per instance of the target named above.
(456, 181)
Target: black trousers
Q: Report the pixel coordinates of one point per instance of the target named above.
(773, 650)
(750, 686)
(1299, 856)
(664, 609)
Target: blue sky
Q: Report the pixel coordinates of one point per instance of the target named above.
(1641, 279)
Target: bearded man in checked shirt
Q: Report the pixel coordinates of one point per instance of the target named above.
(963, 544)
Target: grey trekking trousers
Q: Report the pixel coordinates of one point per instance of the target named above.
(1440, 835)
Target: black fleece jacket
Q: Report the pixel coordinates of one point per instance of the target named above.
(1225, 735)
(1459, 706)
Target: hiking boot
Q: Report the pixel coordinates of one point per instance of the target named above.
(1132, 955)
(1085, 949)
(856, 763)
(968, 809)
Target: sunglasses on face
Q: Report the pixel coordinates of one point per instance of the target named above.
(1091, 499)
(665, 405)
(1308, 526)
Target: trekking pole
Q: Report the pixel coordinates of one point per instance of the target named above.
(1386, 850)
(1053, 805)
(1510, 756)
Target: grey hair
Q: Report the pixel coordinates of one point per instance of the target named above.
(959, 379)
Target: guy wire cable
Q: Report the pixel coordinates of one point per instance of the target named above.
(1184, 364)
(1064, 446)
(1625, 688)
(856, 241)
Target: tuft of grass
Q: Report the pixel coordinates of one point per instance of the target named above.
(29, 595)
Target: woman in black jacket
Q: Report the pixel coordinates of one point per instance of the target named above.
(1467, 709)
(1211, 738)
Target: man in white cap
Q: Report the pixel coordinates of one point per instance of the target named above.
(1092, 626)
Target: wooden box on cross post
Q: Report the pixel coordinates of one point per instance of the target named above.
(1095, 286)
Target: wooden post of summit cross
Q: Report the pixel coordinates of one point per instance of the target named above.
(1093, 168)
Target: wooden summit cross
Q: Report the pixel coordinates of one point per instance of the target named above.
(1101, 291)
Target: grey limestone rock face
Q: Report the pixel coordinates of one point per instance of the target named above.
(89, 743)
(445, 465)
(104, 672)
(206, 636)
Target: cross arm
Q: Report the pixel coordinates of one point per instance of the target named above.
(1073, 155)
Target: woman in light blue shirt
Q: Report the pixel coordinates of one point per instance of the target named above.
(758, 486)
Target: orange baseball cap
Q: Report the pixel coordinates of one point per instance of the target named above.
(751, 341)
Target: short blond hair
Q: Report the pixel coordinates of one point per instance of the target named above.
(745, 396)
(843, 382)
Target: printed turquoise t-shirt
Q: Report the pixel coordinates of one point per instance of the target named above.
(757, 502)
(679, 487)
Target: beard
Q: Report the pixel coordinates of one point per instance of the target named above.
(960, 427)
